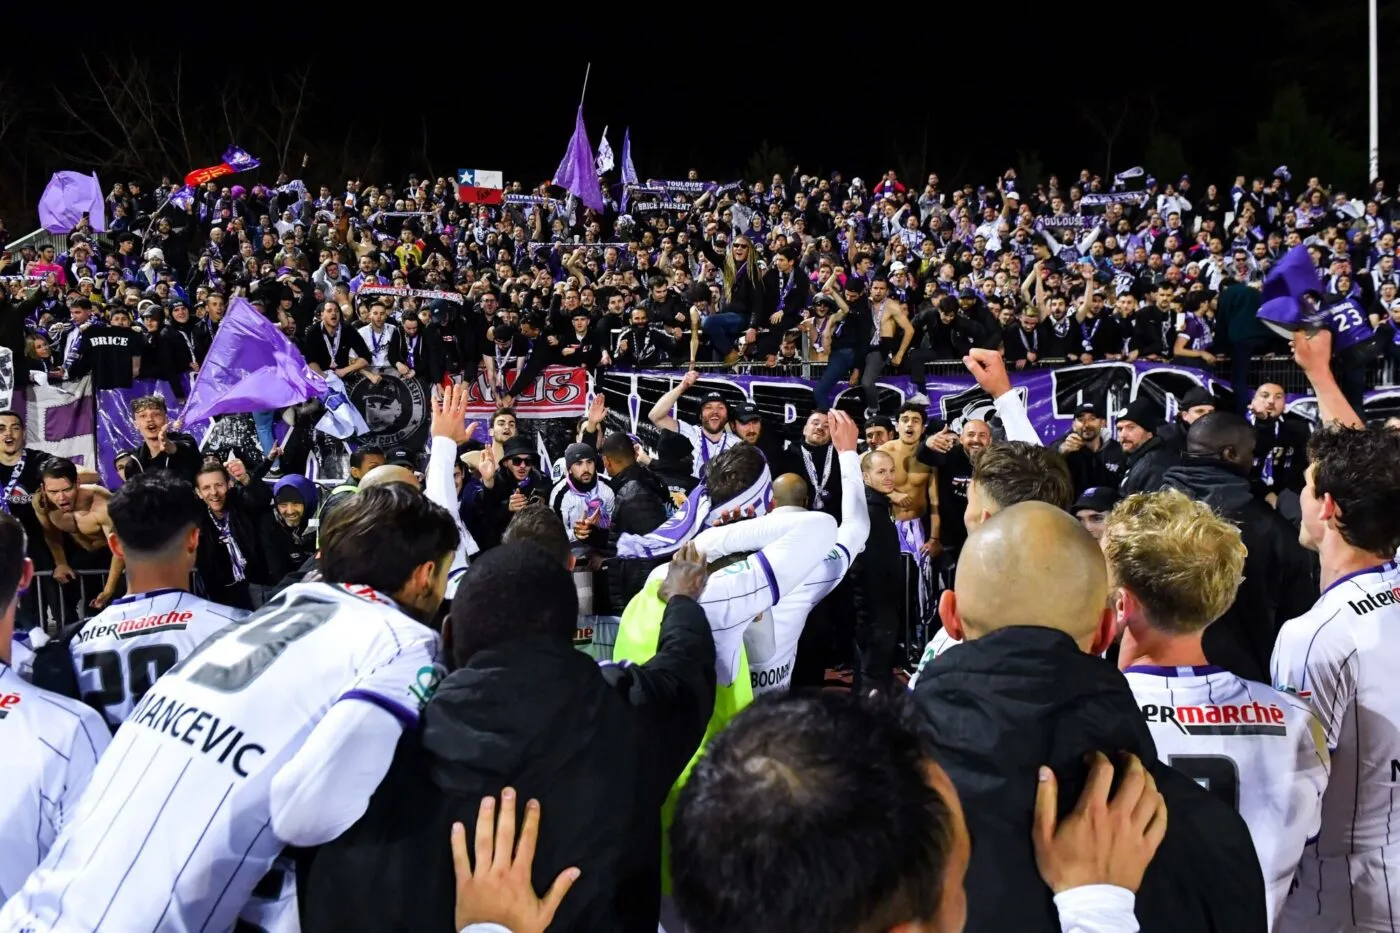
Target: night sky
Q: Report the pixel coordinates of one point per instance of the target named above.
(960, 95)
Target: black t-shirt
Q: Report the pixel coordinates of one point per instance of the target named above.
(19, 501)
(318, 346)
(854, 330)
(954, 474)
(107, 352)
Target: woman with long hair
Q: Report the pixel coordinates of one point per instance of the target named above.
(743, 302)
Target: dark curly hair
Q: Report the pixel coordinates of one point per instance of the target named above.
(1360, 469)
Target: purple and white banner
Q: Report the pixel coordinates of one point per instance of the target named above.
(59, 420)
(1050, 396)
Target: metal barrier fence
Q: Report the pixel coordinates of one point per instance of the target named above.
(54, 606)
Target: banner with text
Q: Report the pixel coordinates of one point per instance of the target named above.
(561, 392)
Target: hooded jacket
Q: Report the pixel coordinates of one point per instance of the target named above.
(996, 708)
(286, 549)
(1280, 577)
(599, 747)
(639, 508)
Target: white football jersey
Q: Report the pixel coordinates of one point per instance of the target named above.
(937, 646)
(49, 745)
(1343, 656)
(176, 827)
(1259, 750)
(743, 593)
(705, 449)
(122, 650)
(771, 640)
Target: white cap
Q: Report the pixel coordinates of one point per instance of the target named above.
(896, 267)
(155, 253)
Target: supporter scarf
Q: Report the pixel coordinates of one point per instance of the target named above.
(694, 516)
(1063, 221)
(14, 480)
(401, 292)
(1117, 197)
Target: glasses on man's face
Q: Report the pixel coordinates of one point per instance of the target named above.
(518, 461)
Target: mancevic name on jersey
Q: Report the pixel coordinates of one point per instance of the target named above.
(1220, 719)
(172, 621)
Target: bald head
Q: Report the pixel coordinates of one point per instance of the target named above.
(790, 489)
(1223, 435)
(389, 473)
(1031, 564)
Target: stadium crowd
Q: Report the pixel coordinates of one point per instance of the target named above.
(1145, 651)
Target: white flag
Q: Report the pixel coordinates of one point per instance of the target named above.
(604, 162)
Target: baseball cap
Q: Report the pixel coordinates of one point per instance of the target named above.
(712, 396)
(967, 293)
(1088, 408)
(746, 412)
(1197, 396)
(1096, 499)
(577, 453)
(402, 456)
(897, 267)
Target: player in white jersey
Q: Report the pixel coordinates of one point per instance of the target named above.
(49, 744)
(120, 652)
(771, 640)
(1174, 567)
(742, 592)
(1343, 656)
(274, 732)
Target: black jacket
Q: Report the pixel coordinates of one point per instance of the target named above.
(598, 747)
(639, 507)
(1091, 468)
(995, 709)
(794, 462)
(1146, 465)
(1280, 582)
(244, 507)
(878, 572)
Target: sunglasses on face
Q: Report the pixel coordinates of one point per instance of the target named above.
(519, 461)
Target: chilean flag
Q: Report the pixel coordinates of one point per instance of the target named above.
(477, 186)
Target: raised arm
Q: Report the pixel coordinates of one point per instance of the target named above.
(1314, 355)
(989, 369)
(449, 431)
(660, 414)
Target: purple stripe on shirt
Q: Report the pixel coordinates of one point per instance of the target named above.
(768, 572)
(406, 716)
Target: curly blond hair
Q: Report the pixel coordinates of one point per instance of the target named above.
(1180, 560)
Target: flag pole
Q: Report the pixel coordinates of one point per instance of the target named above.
(586, 70)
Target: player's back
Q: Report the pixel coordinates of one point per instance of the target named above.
(49, 745)
(120, 652)
(771, 640)
(1255, 748)
(177, 827)
(1342, 656)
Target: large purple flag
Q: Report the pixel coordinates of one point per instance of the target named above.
(576, 173)
(1283, 307)
(68, 196)
(251, 366)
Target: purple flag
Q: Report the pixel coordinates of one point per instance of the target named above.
(251, 366)
(576, 173)
(1283, 309)
(629, 172)
(67, 198)
(238, 159)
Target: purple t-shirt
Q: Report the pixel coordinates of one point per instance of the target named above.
(1349, 325)
(1199, 330)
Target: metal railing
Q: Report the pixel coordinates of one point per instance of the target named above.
(55, 606)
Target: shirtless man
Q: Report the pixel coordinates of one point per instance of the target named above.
(888, 314)
(503, 428)
(915, 495)
(79, 511)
